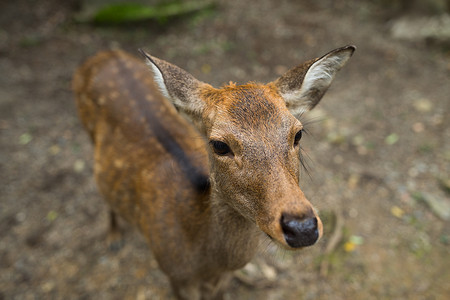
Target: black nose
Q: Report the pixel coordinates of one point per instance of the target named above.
(299, 232)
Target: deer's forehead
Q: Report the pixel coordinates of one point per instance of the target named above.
(250, 106)
(253, 116)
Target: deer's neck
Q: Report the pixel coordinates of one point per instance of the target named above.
(236, 238)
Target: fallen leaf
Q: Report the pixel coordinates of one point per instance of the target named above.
(353, 242)
(349, 247)
(52, 215)
(78, 166)
(397, 212)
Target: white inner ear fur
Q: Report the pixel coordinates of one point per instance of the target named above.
(158, 77)
(321, 73)
(319, 77)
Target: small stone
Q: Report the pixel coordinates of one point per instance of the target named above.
(362, 150)
(48, 286)
(78, 166)
(353, 181)
(423, 105)
(250, 269)
(269, 272)
(418, 127)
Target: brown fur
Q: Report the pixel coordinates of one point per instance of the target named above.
(202, 214)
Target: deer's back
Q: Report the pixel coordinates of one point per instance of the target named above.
(146, 155)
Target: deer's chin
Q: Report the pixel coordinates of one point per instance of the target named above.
(282, 244)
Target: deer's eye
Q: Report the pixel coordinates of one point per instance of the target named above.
(297, 137)
(220, 148)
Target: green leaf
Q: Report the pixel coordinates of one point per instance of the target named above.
(25, 138)
(52, 215)
(357, 240)
(391, 139)
(132, 12)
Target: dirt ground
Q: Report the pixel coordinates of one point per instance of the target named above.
(379, 153)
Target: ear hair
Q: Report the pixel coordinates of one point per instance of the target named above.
(180, 87)
(304, 86)
(157, 75)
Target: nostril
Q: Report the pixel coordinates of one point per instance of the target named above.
(299, 232)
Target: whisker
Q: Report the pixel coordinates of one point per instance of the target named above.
(308, 120)
(304, 163)
(305, 160)
(265, 249)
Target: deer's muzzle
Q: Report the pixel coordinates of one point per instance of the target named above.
(299, 232)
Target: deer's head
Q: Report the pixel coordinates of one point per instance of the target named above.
(254, 135)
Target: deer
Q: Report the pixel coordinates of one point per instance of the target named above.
(204, 173)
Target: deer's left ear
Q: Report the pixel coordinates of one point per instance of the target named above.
(303, 86)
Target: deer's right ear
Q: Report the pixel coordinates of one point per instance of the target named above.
(177, 85)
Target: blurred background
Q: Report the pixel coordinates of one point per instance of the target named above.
(378, 148)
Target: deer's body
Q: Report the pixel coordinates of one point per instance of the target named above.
(202, 206)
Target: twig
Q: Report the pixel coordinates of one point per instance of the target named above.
(336, 237)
